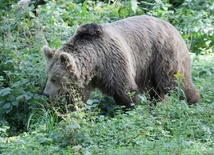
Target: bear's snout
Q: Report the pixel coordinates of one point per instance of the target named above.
(46, 94)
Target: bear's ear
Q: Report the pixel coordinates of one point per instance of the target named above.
(87, 31)
(48, 52)
(90, 29)
(68, 62)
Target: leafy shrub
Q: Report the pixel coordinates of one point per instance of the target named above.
(22, 78)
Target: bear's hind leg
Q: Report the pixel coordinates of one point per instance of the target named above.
(169, 83)
(191, 93)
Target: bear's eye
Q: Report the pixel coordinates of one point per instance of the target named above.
(53, 80)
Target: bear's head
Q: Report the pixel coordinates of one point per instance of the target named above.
(64, 67)
(61, 71)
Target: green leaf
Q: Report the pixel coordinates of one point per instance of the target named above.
(45, 141)
(6, 106)
(20, 97)
(11, 97)
(31, 14)
(134, 5)
(15, 103)
(5, 91)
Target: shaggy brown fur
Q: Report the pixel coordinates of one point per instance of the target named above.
(136, 54)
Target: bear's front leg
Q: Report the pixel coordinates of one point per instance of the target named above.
(126, 99)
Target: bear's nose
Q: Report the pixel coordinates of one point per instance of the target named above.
(46, 94)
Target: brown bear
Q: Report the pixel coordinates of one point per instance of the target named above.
(136, 54)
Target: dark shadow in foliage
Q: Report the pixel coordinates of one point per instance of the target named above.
(35, 3)
(176, 3)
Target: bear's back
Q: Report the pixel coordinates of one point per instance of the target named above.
(145, 28)
(146, 36)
